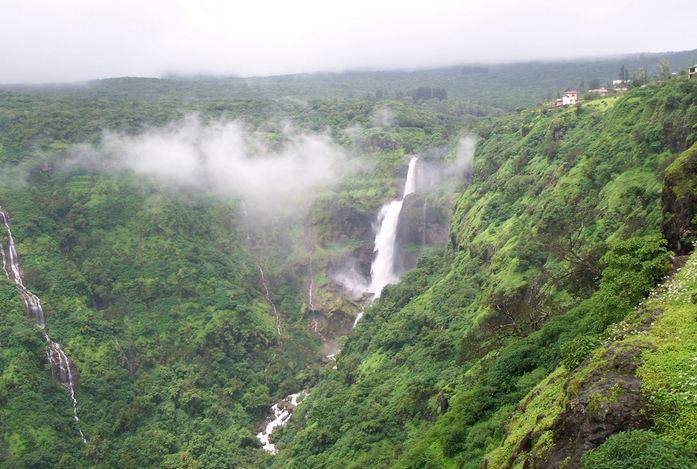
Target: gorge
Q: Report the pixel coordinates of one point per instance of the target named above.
(382, 273)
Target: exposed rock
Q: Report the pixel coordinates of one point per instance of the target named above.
(679, 201)
(347, 223)
(421, 223)
(601, 402)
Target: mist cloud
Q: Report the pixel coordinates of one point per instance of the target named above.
(437, 172)
(228, 160)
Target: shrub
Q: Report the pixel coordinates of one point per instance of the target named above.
(576, 350)
(639, 449)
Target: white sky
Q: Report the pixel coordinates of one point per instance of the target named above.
(62, 40)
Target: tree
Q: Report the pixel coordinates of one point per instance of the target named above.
(639, 77)
(624, 73)
(663, 70)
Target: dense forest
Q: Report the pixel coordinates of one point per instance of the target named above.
(525, 329)
(545, 315)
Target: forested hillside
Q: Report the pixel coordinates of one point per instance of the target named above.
(469, 361)
(187, 311)
(184, 316)
(480, 88)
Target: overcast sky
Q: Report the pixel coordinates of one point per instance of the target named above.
(65, 40)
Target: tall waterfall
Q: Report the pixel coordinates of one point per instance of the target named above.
(61, 368)
(382, 269)
(381, 273)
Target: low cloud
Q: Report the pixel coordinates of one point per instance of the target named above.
(229, 160)
(383, 117)
(438, 172)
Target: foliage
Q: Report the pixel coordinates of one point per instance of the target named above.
(669, 369)
(576, 350)
(547, 245)
(639, 449)
(156, 296)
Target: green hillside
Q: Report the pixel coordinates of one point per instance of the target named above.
(546, 299)
(553, 244)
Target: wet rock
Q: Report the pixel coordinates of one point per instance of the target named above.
(421, 223)
(605, 401)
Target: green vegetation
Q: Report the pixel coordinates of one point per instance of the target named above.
(480, 356)
(669, 367)
(639, 449)
(155, 294)
(35, 415)
(157, 305)
(555, 239)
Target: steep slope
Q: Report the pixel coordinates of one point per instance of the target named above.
(159, 306)
(644, 375)
(556, 238)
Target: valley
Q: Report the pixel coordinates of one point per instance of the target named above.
(202, 276)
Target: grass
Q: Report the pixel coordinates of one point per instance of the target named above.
(669, 370)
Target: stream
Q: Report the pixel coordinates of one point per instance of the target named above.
(61, 367)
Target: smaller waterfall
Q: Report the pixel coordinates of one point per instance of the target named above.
(282, 412)
(311, 287)
(358, 317)
(267, 295)
(60, 370)
(60, 364)
(382, 270)
(309, 293)
(264, 283)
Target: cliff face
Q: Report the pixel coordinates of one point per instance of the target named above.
(422, 223)
(679, 202)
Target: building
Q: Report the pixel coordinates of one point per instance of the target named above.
(692, 71)
(568, 97)
(601, 91)
(618, 82)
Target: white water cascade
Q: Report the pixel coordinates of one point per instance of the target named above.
(382, 269)
(60, 364)
(281, 415)
(381, 273)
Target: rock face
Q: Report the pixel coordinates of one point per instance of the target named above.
(346, 223)
(679, 202)
(602, 402)
(421, 223)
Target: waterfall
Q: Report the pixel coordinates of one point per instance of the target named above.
(281, 415)
(264, 283)
(381, 273)
(60, 364)
(382, 269)
(358, 317)
(312, 286)
(267, 295)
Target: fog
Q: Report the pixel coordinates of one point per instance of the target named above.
(46, 41)
(437, 172)
(228, 160)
